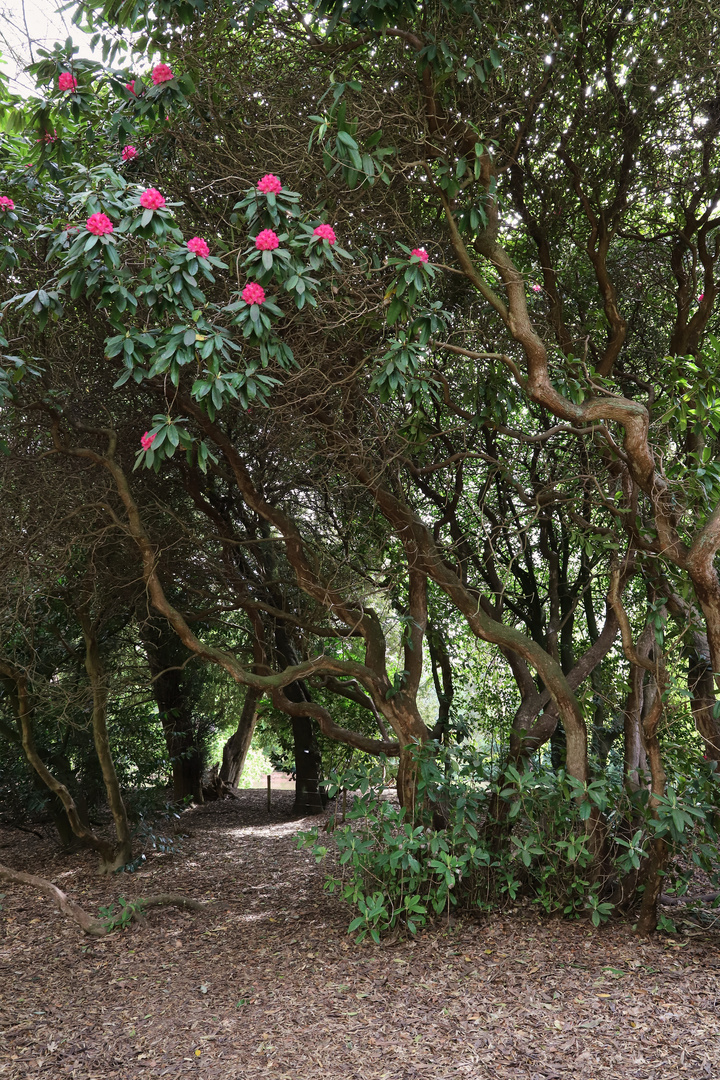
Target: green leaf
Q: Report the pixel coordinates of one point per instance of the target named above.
(347, 140)
(394, 311)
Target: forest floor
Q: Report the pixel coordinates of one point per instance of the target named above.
(267, 982)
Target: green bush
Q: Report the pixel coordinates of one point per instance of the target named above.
(484, 838)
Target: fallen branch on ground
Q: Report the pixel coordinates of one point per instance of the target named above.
(20, 828)
(703, 898)
(89, 923)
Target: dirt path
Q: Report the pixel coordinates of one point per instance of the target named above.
(267, 983)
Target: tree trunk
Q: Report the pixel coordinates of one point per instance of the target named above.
(635, 756)
(653, 874)
(707, 590)
(558, 747)
(700, 678)
(407, 780)
(402, 714)
(96, 675)
(701, 684)
(236, 748)
(308, 760)
(106, 850)
(308, 765)
(648, 918)
(166, 656)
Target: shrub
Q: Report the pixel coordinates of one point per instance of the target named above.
(484, 837)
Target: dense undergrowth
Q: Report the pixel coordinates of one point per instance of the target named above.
(486, 836)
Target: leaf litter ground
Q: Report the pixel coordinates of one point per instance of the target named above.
(267, 983)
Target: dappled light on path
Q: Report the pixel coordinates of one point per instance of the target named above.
(267, 983)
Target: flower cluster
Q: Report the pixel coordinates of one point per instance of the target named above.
(99, 224)
(701, 297)
(128, 153)
(6, 203)
(270, 185)
(198, 246)
(67, 81)
(130, 86)
(420, 253)
(266, 240)
(161, 73)
(325, 232)
(537, 288)
(253, 293)
(151, 199)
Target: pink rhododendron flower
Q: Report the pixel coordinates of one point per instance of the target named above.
(701, 297)
(152, 199)
(6, 203)
(270, 184)
(198, 247)
(128, 153)
(67, 81)
(266, 240)
(420, 253)
(147, 441)
(325, 232)
(130, 86)
(253, 293)
(99, 224)
(162, 73)
(537, 288)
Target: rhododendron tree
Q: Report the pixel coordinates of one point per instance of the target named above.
(439, 451)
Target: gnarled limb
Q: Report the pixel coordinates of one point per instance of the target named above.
(273, 684)
(90, 923)
(652, 872)
(104, 848)
(410, 529)
(98, 686)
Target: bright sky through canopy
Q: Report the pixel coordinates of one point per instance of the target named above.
(26, 25)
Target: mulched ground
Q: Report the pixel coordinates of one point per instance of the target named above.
(267, 983)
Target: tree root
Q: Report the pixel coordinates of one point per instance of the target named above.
(703, 898)
(89, 923)
(219, 789)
